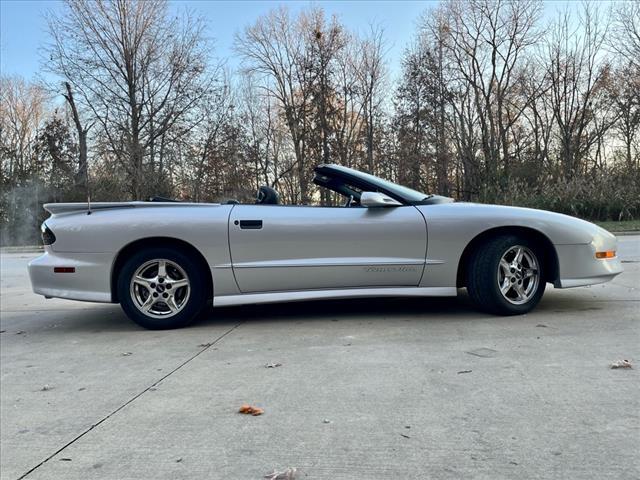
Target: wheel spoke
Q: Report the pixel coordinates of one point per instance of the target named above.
(178, 283)
(519, 291)
(518, 257)
(146, 306)
(145, 282)
(530, 272)
(171, 303)
(505, 266)
(506, 286)
(162, 268)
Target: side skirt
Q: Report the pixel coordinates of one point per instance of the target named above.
(302, 295)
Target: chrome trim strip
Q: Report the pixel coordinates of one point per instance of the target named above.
(302, 295)
(306, 263)
(311, 265)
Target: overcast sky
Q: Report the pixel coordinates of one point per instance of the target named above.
(22, 24)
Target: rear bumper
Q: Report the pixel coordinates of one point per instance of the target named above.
(578, 265)
(90, 282)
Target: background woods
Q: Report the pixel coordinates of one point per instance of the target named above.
(492, 104)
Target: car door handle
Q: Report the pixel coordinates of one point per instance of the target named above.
(251, 224)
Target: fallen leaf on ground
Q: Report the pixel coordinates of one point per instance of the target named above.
(405, 436)
(46, 388)
(326, 420)
(273, 365)
(464, 371)
(288, 474)
(20, 332)
(541, 325)
(205, 345)
(247, 409)
(65, 459)
(126, 354)
(621, 364)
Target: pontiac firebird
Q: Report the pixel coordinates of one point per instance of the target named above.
(164, 261)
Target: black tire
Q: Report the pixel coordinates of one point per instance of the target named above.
(191, 307)
(483, 282)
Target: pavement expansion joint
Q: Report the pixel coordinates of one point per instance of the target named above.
(204, 348)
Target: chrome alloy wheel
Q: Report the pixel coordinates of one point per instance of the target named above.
(160, 288)
(518, 275)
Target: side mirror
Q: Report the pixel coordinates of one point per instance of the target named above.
(376, 199)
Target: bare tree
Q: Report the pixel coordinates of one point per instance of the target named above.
(137, 70)
(82, 177)
(22, 111)
(488, 40)
(578, 76)
(625, 38)
(371, 77)
(625, 94)
(276, 49)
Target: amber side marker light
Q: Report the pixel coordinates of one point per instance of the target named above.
(64, 269)
(607, 254)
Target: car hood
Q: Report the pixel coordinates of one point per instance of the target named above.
(559, 228)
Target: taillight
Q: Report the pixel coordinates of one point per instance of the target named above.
(47, 235)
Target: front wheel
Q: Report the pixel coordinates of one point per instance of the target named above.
(505, 276)
(161, 288)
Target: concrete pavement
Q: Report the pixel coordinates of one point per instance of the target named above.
(396, 388)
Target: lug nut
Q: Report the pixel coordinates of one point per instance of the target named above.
(168, 285)
(161, 280)
(164, 295)
(153, 285)
(155, 294)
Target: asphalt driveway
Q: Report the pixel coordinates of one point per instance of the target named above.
(366, 389)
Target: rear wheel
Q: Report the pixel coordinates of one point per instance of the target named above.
(505, 275)
(161, 288)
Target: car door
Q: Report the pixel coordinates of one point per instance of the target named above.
(279, 248)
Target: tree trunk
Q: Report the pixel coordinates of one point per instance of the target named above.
(82, 175)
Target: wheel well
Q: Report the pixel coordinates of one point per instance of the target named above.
(166, 242)
(549, 257)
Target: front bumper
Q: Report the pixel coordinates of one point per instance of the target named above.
(90, 282)
(578, 265)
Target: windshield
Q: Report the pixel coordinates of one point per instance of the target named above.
(406, 193)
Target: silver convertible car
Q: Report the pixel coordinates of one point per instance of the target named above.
(165, 261)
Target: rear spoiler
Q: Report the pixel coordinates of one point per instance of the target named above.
(60, 208)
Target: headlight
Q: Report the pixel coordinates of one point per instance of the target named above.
(47, 235)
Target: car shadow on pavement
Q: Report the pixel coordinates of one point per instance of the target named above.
(96, 319)
(348, 308)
